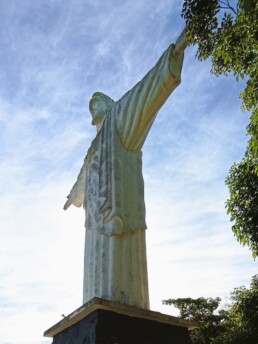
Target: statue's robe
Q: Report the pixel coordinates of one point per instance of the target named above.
(110, 186)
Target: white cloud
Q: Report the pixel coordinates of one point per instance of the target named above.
(54, 56)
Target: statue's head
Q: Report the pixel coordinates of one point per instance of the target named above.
(99, 105)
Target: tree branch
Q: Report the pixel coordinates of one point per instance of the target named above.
(228, 6)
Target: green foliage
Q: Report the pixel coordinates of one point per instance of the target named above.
(228, 34)
(243, 202)
(237, 324)
(201, 310)
(243, 315)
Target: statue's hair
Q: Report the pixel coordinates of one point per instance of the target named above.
(109, 101)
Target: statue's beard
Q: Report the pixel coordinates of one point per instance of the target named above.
(98, 120)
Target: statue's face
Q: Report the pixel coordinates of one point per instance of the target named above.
(98, 109)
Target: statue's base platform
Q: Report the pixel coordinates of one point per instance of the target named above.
(104, 322)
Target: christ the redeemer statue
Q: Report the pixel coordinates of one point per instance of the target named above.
(111, 189)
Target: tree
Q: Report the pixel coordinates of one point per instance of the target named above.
(201, 310)
(237, 323)
(242, 323)
(242, 206)
(227, 32)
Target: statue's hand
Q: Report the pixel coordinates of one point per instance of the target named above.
(67, 204)
(70, 201)
(181, 43)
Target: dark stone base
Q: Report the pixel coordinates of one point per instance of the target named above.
(105, 326)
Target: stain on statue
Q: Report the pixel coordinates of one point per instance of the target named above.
(110, 185)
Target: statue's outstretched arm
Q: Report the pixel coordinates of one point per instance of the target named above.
(181, 43)
(76, 196)
(137, 109)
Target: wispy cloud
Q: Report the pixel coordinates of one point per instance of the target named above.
(54, 55)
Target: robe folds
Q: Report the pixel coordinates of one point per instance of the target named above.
(111, 188)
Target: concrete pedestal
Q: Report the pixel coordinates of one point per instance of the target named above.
(104, 322)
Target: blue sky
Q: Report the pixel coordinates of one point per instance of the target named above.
(53, 56)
